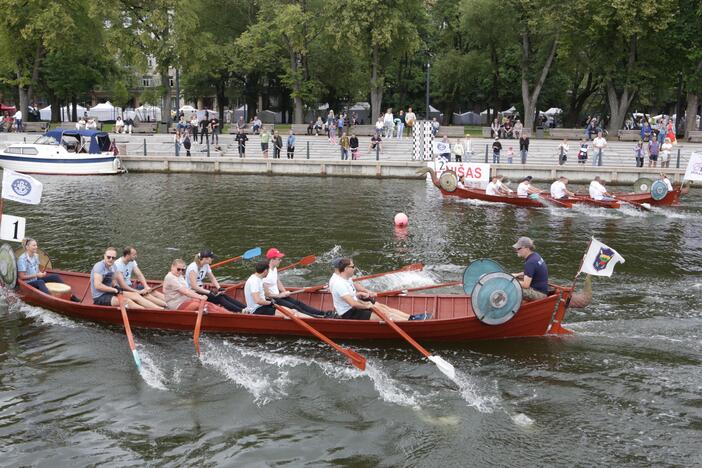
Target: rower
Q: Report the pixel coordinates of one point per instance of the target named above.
(29, 271)
(274, 288)
(195, 275)
(665, 179)
(102, 279)
(598, 191)
(126, 267)
(354, 302)
(525, 188)
(496, 187)
(534, 278)
(177, 293)
(255, 294)
(559, 189)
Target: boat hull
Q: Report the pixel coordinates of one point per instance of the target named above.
(671, 198)
(92, 164)
(476, 194)
(453, 319)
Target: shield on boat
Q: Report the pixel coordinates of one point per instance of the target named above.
(477, 270)
(448, 181)
(8, 266)
(44, 260)
(642, 185)
(659, 190)
(496, 298)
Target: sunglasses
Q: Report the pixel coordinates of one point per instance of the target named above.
(181, 269)
(110, 257)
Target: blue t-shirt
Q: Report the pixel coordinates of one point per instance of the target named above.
(536, 269)
(29, 266)
(108, 276)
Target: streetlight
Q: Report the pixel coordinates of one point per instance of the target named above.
(428, 67)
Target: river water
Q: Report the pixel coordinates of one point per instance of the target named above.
(625, 390)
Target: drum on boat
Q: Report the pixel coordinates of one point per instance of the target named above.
(59, 290)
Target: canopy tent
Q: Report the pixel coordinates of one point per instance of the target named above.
(144, 113)
(466, 118)
(8, 109)
(242, 111)
(511, 111)
(268, 116)
(435, 113)
(105, 111)
(66, 113)
(553, 111)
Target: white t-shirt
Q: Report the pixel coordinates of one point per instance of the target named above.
(253, 285)
(270, 282)
(523, 189)
(597, 190)
(668, 184)
(491, 189)
(558, 190)
(599, 142)
(125, 269)
(200, 274)
(502, 188)
(340, 287)
(388, 118)
(18, 115)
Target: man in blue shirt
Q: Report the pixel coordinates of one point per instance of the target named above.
(534, 279)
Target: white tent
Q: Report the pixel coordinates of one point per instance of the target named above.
(66, 113)
(509, 111)
(148, 113)
(554, 111)
(45, 113)
(105, 111)
(187, 111)
(466, 118)
(268, 116)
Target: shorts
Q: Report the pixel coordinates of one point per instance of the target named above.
(104, 300)
(264, 146)
(531, 294)
(357, 314)
(265, 310)
(653, 157)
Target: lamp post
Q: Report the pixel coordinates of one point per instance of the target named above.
(427, 90)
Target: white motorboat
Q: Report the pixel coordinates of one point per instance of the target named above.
(64, 151)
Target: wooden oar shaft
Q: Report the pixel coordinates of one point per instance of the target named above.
(198, 324)
(411, 267)
(419, 288)
(128, 331)
(400, 331)
(224, 262)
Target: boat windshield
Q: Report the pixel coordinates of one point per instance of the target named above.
(46, 140)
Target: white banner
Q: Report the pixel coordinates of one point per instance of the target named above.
(12, 228)
(439, 147)
(474, 174)
(21, 188)
(600, 259)
(694, 167)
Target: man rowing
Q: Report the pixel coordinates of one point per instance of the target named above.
(177, 293)
(496, 188)
(274, 288)
(525, 188)
(127, 266)
(598, 191)
(559, 189)
(102, 284)
(534, 278)
(354, 302)
(255, 294)
(195, 275)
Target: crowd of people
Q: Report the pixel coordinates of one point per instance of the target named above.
(12, 123)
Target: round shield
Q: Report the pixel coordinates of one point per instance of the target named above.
(496, 298)
(642, 185)
(659, 190)
(476, 270)
(8, 266)
(44, 260)
(448, 181)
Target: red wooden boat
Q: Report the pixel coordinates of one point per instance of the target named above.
(453, 316)
(671, 198)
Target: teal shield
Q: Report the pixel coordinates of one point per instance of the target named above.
(642, 185)
(496, 298)
(8, 266)
(476, 270)
(659, 190)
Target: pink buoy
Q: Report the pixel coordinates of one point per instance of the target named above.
(401, 219)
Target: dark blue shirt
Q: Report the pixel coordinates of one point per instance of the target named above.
(536, 269)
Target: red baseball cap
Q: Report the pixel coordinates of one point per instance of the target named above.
(274, 253)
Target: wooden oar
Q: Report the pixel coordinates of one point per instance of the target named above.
(419, 288)
(249, 254)
(411, 267)
(304, 261)
(443, 366)
(355, 358)
(198, 323)
(546, 200)
(128, 330)
(640, 206)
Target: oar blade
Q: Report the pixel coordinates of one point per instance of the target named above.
(252, 253)
(443, 366)
(356, 359)
(308, 260)
(137, 361)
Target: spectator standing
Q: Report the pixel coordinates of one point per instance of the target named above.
(458, 151)
(290, 143)
(435, 126)
(353, 145)
(241, 140)
(205, 129)
(379, 125)
(330, 121)
(654, 149)
(344, 144)
(241, 123)
(666, 149)
(467, 148)
(518, 129)
(646, 132)
(277, 144)
(524, 146)
(18, 121)
(265, 137)
(410, 119)
(447, 153)
(400, 124)
(194, 125)
(340, 124)
(582, 151)
(332, 133)
(388, 122)
(563, 151)
(670, 134)
(639, 153)
(599, 144)
(495, 128)
(496, 148)
(214, 128)
(510, 155)
(129, 125)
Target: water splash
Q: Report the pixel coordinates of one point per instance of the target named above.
(469, 392)
(150, 371)
(43, 316)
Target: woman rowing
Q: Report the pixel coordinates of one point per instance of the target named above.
(195, 275)
(178, 295)
(29, 269)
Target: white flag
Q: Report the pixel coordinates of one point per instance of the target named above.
(694, 167)
(21, 188)
(440, 147)
(600, 259)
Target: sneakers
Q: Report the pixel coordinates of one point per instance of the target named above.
(74, 299)
(424, 316)
(329, 314)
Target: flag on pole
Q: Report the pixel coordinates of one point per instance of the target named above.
(439, 147)
(600, 259)
(694, 167)
(21, 188)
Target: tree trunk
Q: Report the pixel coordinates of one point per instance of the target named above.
(74, 109)
(166, 84)
(531, 97)
(23, 100)
(618, 107)
(55, 108)
(495, 86)
(693, 103)
(376, 89)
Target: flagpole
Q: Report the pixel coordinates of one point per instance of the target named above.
(582, 259)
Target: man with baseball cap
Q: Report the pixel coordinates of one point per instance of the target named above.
(534, 278)
(274, 288)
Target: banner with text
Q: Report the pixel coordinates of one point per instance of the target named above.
(694, 167)
(21, 188)
(475, 175)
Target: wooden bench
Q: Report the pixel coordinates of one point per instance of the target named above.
(570, 133)
(486, 132)
(35, 127)
(695, 136)
(145, 127)
(629, 135)
(452, 131)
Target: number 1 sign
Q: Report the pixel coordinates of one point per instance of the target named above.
(12, 228)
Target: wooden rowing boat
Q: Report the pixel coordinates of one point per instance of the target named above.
(671, 198)
(453, 318)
